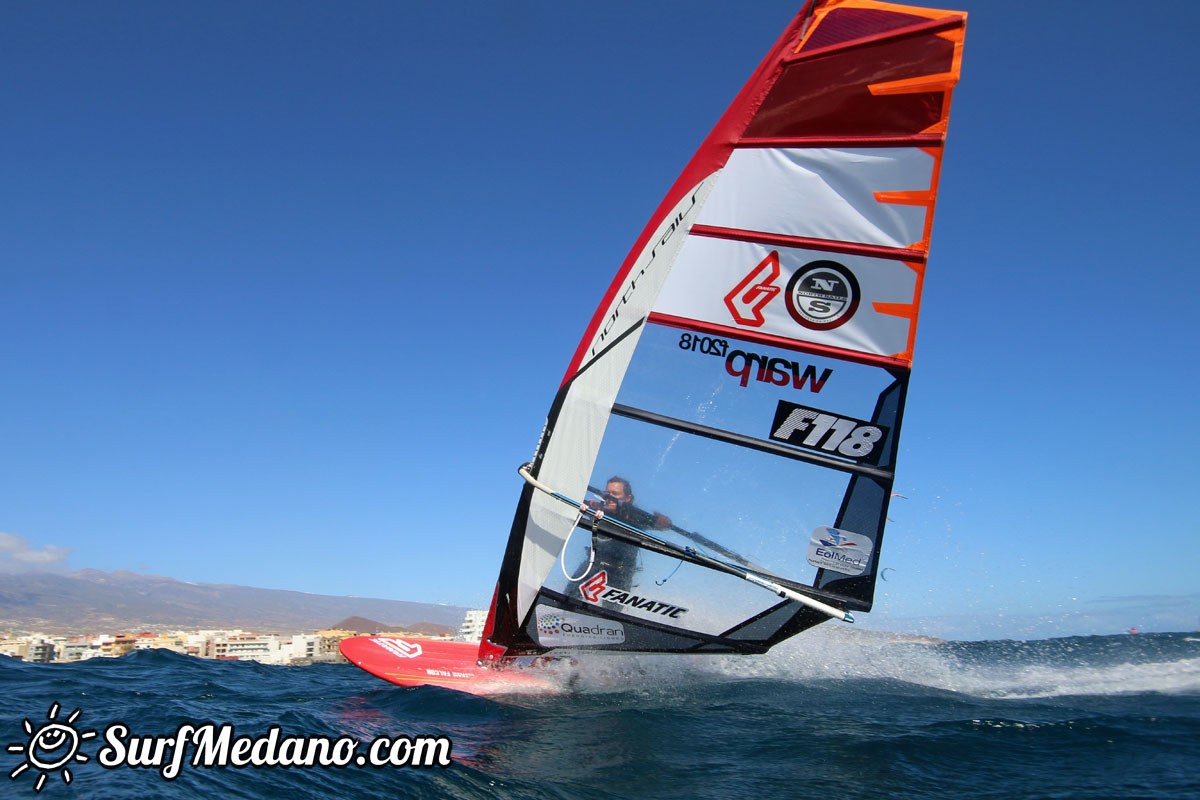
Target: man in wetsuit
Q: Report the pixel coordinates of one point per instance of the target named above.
(616, 557)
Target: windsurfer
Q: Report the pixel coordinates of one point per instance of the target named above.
(618, 558)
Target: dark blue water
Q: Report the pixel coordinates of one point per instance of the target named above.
(830, 715)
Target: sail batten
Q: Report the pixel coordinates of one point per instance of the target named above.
(808, 243)
(913, 140)
(726, 433)
(717, 434)
(887, 362)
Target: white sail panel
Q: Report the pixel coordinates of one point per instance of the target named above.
(799, 294)
(824, 193)
(567, 463)
(639, 287)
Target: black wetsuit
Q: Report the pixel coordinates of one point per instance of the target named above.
(617, 557)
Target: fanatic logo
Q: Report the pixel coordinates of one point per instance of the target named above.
(592, 589)
(598, 591)
(399, 647)
(748, 299)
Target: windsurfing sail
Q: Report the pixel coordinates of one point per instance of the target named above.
(715, 470)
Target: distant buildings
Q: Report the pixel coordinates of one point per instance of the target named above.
(28, 649)
(297, 648)
(318, 647)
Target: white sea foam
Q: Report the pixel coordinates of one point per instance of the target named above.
(1164, 677)
(1035, 670)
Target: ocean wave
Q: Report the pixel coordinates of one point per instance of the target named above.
(857, 715)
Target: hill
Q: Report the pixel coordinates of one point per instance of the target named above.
(91, 600)
(370, 626)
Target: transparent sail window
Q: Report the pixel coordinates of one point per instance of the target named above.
(740, 387)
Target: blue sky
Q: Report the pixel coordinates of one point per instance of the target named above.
(287, 288)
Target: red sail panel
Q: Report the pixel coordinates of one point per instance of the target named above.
(830, 96)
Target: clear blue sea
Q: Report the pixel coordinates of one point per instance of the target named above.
(828, 715)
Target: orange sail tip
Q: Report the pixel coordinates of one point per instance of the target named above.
(901, 16)
(921, 197)
(923, 83)
(938, 127)
(906, 310)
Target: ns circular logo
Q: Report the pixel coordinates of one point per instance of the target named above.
(822, 295)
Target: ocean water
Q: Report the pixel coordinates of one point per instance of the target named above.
(830, 714)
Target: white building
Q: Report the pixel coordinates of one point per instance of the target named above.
(78, 650)
(471, 629)
(246, 647)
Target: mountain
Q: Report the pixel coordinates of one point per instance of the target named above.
(92, 601)
(370, 626)
(361, 625)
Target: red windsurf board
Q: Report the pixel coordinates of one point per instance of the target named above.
(432, 662)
